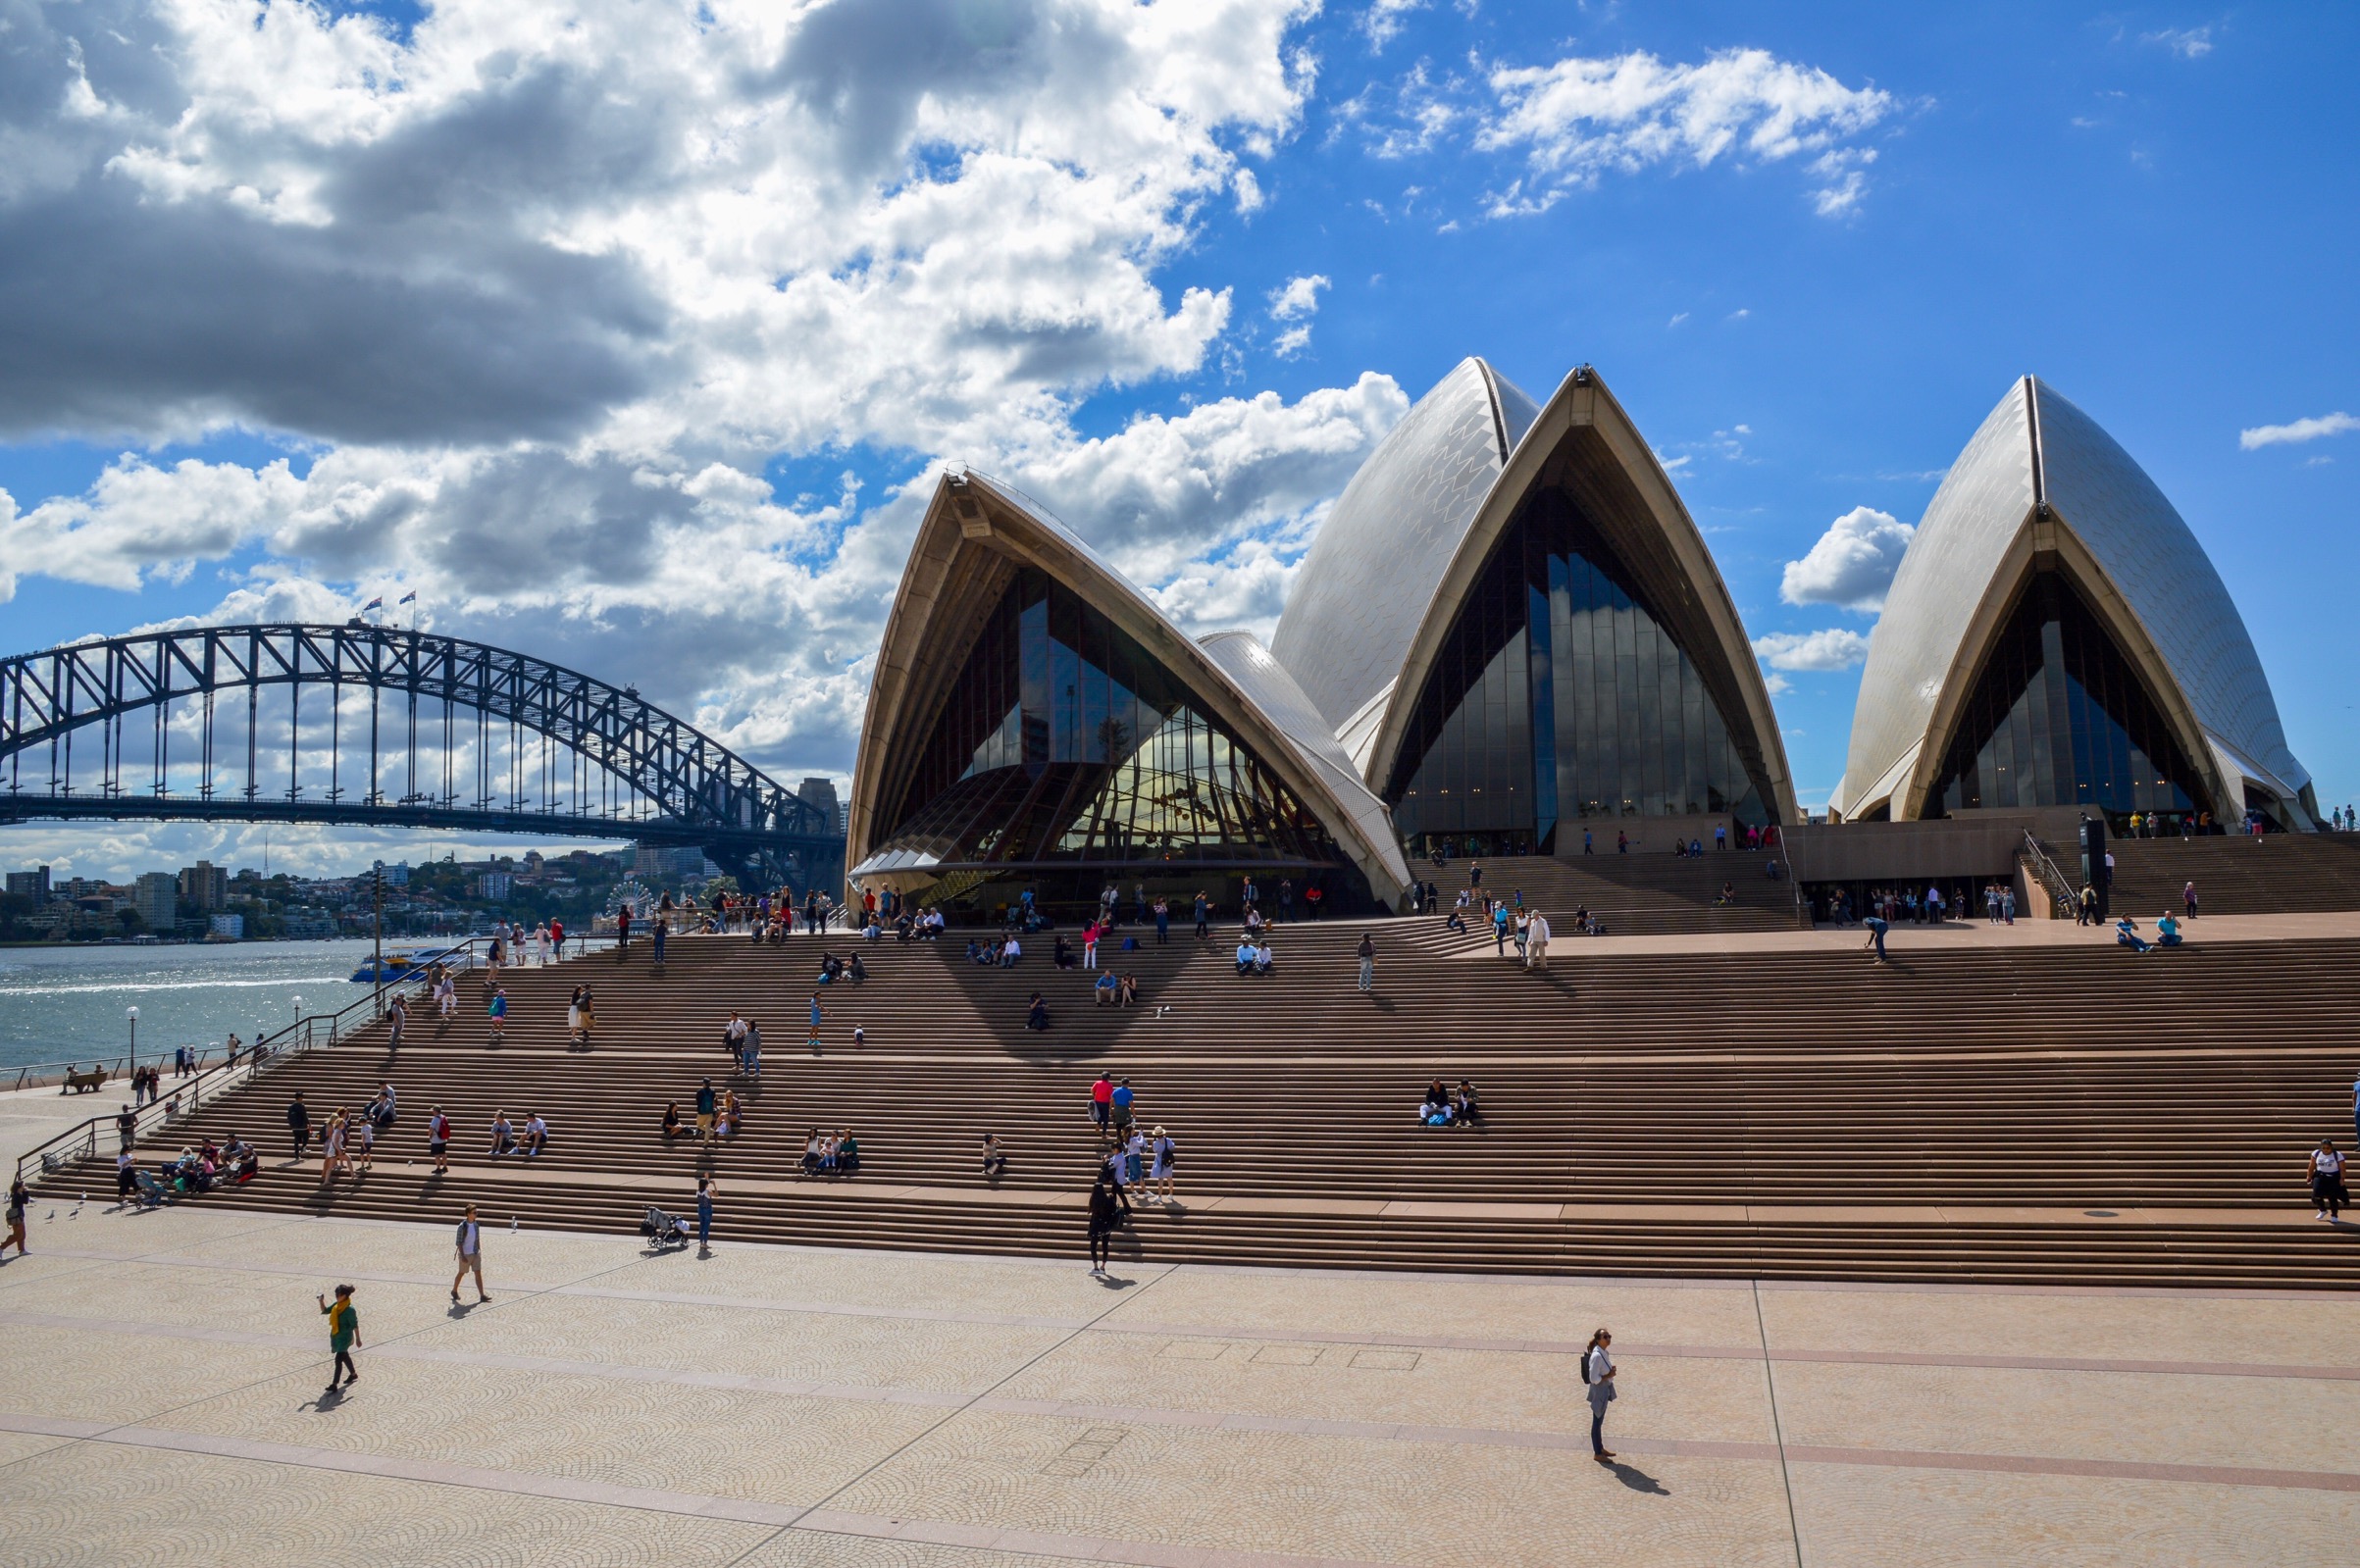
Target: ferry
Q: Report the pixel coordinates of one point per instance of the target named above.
(398, 966)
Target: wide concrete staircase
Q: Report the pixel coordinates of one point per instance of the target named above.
(2064, 1114)
(1636, 895)
(2280, 873)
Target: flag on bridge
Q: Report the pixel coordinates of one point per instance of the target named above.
(406, 599)
(377, 603)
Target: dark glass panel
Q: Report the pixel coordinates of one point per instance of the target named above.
(1063, 740)
(1558, 694)
(2058, 718)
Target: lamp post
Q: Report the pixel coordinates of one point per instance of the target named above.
(133, 1013)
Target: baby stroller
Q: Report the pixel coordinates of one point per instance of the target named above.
(664, 1230)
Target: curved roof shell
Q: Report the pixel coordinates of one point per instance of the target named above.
(2041, 487)
(976, 535)
(1395, 559)
(1368, 579)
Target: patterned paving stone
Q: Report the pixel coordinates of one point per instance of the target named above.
(718, 1441)
(104, 1376)
(1851, 1517)
(985, 1287)
(813, 1548)
(1410, 1502)
(2154, 1417)
(824, 1347)
(16, 1445)
(1466, 1308)
(1713, 1399)
(95, 1505)
(2321, 1328)
(261, 1303)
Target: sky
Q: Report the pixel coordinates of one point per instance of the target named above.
(634, 334)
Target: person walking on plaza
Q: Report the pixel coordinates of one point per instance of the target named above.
(1203, 919)
(623, 931)
(298, 1124)
(2187, 897)
(1102, 1103)
(343, 1334)
(470, 1257)
(2328, 1194)
(397, 1018)
(1102, 1225)
(438, 1141)
(18, 1195)
(1499, 929)
(1536, 942)
(704, 1213)
(1368, 955)
(1598, 1371)
(127, 1128)
(663, 926)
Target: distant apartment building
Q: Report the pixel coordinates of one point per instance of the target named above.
(156, 896)
(204, 887)
(495, 884)
(33, 884)
(227, 928)
(663, 863)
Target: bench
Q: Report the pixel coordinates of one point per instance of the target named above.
(83, 1082)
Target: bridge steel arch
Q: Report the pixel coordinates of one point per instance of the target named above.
(658, 779)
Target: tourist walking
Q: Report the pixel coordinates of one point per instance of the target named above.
(2328, 1195)
(1536, 942)
(2187, 897)
(438, 1140)
(817, 1013)
(471, 1256)
(397, 1018)
(1368, 955)
(497, 1010)
(126, 1126)
(707, 1103)
(1598, 1372)
(1203, 919)
(18, 1195)
(343, 1336)
(1102, 1225)
(704, 1213)
(750, 1054)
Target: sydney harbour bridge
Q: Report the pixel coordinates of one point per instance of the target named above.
(365, 724)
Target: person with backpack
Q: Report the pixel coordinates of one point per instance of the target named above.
(1102, 1225)
(1598, 1372)
(1159, 1174)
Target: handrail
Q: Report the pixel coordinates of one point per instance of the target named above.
(2051, 875)
(296, 1038)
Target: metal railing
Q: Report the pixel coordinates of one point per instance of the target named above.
(313, 1032)
(2052, 876)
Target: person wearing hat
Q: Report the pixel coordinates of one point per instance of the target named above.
(1159, 1172)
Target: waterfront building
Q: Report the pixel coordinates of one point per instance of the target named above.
(1515, 629)
(2057, 637)
(155, 897)
(1037, 723)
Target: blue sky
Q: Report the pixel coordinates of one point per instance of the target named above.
(531, 354)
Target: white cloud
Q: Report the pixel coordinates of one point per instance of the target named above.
(2190, 43)
(545, 290)
(1586, 117)
(2301, 431)
(1300, 297)
(1833, 648)
(1298, 302)
(1852, 563)
(1384, 20)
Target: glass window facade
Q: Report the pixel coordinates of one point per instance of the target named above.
(2059, 718)
(1559, 695)
(1064, 743)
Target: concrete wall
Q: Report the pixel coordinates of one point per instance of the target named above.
(1973, 844)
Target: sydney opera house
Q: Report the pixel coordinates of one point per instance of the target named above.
(1509, 637)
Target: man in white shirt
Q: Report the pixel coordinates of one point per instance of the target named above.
(471, 1256)
(1536, 942)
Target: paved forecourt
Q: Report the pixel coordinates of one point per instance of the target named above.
(771, 1405)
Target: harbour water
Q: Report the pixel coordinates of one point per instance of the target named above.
(67, 1003)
